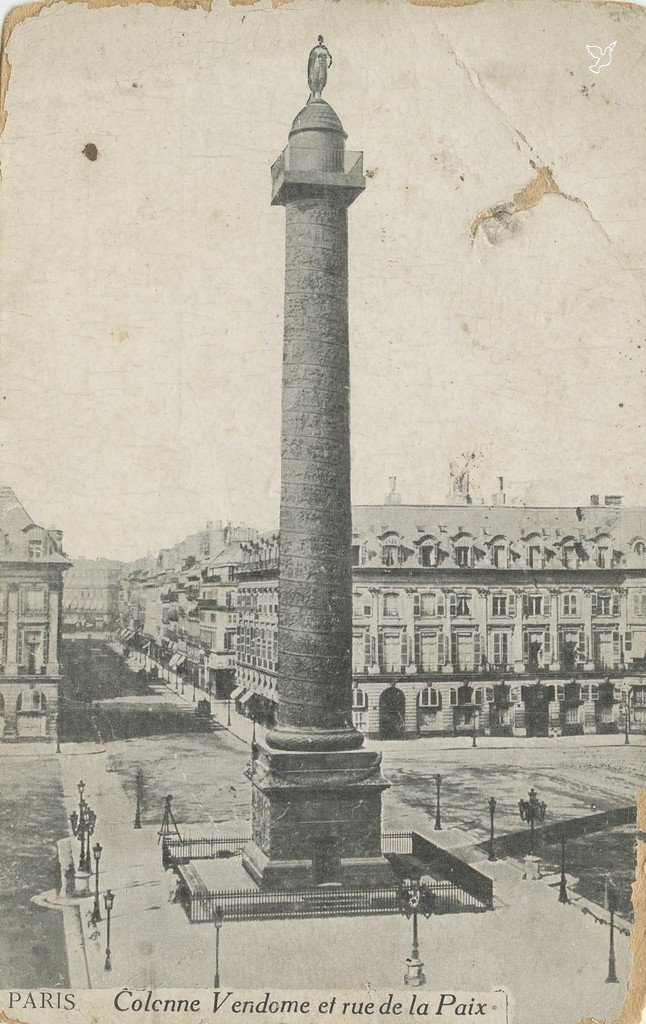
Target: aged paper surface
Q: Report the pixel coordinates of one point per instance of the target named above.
(473, 855)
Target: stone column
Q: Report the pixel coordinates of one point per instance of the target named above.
(52, 667)
(11, 667)
(316, 796)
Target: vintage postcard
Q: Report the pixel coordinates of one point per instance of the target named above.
(323, 512)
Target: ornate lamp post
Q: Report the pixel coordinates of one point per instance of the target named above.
(612, 907)
(139, 791)
(532, 811)
(438, 819)
(627, 715)
(108, 899)
(492, 811)
(96, 912)
(563, 896)
(83, 823)
(218, 918)
(416, 897)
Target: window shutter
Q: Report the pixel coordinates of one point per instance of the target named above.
(511, 604)
(615, 604)
(416, 604)
(404, 648)
(581, 650)
(418, 650)
(547, 604)
(525, 606)
(441, 606)
(381, 648)
(628, 644)
(616, 647)
(367, 648)
(547, 646)
(453, 604)
(373, 650)
(476, 647)
(440, 652)
(595, 603)
(454, 648)
(497, 648)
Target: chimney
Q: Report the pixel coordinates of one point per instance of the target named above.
(613, 500)
(499, 497)
(392, 498)
(594, 500)
(460, 488)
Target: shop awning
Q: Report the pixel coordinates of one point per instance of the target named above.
(247, 697)
(173, 661)
(236, 693)
(181, 658)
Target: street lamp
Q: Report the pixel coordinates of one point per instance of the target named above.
(96, 912)
(612, 907)
(139, 786)
(83, 823)
(229, 710)
(627, 715)
(438, 819)
(532, 810)
(476, 714)
(492, 811)
(563, 896)
(416, 897)
(108, 899)
(218, 918)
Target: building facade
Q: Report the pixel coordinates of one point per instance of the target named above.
(32, 566)
(91, 596)
(470, 618)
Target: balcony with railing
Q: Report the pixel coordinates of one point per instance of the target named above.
(315, 167)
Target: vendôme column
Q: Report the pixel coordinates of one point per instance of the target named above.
(316, 795)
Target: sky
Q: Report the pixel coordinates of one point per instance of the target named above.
(142, 291)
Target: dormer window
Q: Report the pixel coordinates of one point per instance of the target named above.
(569, 555)
(391, 551)
(463, 555)
(535, 554)
(604, 554)
(35, 549)
(428, 554)
(639, 548)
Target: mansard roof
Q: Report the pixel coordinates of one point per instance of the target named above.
(515, 523)
(17, 528)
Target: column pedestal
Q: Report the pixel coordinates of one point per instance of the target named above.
(317, 820)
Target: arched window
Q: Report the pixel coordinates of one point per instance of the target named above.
(359, 699)
(604, 552)
(31, 700)
(569, 553)
(429, 697)
(463, 551)
(639, 547)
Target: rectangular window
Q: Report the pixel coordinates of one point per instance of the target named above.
(532, 605)
(500, 647)
(569, 556)
(428, 604)
(498, 605)
(391, 605)
(460, 604)
(604, 560)
(34, 600)
(570, 604)
(35, 549)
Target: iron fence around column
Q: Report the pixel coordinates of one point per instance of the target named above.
(250, 905)
(181, 851)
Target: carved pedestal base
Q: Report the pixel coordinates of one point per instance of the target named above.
(316, 820)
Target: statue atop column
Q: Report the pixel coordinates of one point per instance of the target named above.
(320, 60)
